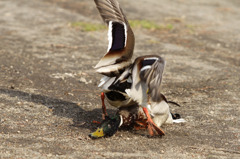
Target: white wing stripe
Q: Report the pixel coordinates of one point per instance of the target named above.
(145, 68)
(109, 36)
(125, 29)
(151, 58)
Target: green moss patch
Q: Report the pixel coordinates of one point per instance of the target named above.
(149, 25)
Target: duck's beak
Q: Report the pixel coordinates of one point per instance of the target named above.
(97, 134)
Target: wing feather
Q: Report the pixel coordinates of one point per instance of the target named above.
(120, 37)
(110, 11)
(153, 78)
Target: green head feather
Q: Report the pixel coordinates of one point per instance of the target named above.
(107, 128)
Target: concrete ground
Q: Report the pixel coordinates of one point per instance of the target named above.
(48, 87)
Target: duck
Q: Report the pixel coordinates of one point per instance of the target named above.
(133, 117)
(125, 117)
(125, 83)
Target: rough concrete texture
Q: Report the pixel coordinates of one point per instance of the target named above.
(48, 87)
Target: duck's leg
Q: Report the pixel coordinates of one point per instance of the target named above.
(141, 124)
(151, 125)
(104, 111)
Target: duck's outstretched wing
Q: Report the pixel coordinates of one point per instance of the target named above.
(120, 37)
(146, 76)
(151, 72)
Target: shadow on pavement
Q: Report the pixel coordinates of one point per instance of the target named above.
(80, 117)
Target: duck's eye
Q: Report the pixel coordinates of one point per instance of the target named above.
(109, 126)
(99, 130)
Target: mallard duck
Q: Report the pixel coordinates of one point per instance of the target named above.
(134, 117)
(125, 83)
(125, 117)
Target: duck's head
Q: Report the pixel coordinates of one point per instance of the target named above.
(108, 127)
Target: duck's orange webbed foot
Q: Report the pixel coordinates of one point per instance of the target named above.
(152, 127)
(96, 122)
(140, 125)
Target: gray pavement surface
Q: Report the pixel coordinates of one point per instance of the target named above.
(48, 87)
